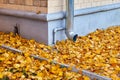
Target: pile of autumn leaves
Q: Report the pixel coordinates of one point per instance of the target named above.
(97, 52)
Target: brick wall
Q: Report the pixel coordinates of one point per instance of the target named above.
(25, 5)
(50, 6)
(59, 5)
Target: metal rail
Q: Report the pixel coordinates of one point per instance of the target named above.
(10, 48)
(73, 69)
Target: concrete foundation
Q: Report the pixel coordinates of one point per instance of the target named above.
(28, 28)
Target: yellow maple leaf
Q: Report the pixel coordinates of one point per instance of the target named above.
(1, 75)
(86, 78)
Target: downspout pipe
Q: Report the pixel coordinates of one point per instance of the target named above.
(70, 20)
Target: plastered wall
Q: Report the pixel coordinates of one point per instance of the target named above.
(50, 6)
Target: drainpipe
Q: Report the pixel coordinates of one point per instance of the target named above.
(70, 20)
